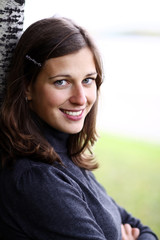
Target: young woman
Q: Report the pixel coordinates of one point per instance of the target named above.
(47, 122)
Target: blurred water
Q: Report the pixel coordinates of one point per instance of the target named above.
(130, 95)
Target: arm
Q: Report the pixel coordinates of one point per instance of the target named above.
(45, 207)
(145, 232)
(130, 225)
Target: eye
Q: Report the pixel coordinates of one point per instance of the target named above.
(88, 81)
(60, 83)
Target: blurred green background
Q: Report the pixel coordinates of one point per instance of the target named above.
(130, 172)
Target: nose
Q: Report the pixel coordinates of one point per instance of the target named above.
(78, 96)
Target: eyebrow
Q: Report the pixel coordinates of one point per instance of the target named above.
(69, 76)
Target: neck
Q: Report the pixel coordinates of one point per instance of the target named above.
(55, 137)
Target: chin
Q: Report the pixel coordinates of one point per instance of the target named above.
(74, 130)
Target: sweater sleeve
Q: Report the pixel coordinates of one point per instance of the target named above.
(145, 231)
(50, 205)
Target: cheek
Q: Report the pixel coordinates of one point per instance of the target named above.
(47, 96)
(93, 95)
(52, 99)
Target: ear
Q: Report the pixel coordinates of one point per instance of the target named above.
(29, 93)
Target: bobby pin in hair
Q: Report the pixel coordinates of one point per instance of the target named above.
(33, 60)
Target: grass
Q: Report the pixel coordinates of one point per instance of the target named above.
(130, 172)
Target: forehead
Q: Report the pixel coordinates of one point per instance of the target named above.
(81, 60)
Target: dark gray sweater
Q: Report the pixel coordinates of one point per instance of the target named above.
(44, 202)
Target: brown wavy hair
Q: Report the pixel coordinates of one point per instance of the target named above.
(19, 135)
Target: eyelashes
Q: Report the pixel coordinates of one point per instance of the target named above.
(61, 82)
(88, 81)
(64, 82)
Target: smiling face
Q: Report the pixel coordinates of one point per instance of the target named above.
(65, 91)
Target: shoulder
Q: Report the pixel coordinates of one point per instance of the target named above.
(28, 176)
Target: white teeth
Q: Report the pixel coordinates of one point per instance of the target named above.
(73, 113)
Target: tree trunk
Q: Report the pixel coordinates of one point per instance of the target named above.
(11, 27)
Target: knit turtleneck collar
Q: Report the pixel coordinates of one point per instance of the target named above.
(55, 137)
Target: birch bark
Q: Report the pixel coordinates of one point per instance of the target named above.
(11, 27)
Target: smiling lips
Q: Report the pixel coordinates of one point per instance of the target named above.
(73, 115)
